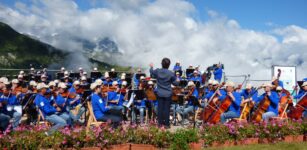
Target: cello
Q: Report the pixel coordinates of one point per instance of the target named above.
(216, 117)
(297, 111)
(284, 103)
(262, 108)
(248, 106)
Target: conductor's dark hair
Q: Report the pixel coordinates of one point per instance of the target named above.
(166, 63)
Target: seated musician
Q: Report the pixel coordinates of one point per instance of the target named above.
(188, 106)
(107, 81)
(20, 79)
(121, 80)
(66, 81)
(4, 118)
(8, 101)
(101, 111)
(151, 103)
(177, 67)
(16, 88)
(84, 81)
(196, 77)
(44, 78)
(215, 86)
(301, 94)
(178, 77)
(136, 81)
(48, 111)
(246, 93)
(114, 99)
(60, 103)
(234, 109)
(272, 111)
(139, 105)
(75, 101)
(276, 81)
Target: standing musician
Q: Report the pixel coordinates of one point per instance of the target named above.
(47, 110)
(234, 109)
(189, 103)
(218, 73)
(101, 111)
(177, 67)
(107, 81)
(272, 110)
(136, 81)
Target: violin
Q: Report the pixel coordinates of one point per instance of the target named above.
(176, 91)
(150, 94)
(106, 89)
(68, 94)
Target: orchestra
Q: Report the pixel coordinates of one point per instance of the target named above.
(133, 97)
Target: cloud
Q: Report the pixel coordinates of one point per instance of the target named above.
(146, 31)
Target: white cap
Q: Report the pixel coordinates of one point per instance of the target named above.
(95, 69)
(150, 82)
(83, 78)
(3, 79)
(279, 88)
(210, 81)
(139, 70)
(195, 71)
(43, 76)
(274, 78)
(178, 61)
(304, 84)
(66, 73)
(84, 72)
(142, 77)
(123, 74)
(62, 68)
(177, 73)
(214, 82)
(62, 85)
(191, 83)
(124, 83)
(21, 72)
(41, 86)
(15, 81)
(248, 86)
(123, 77)
(32, 69)
(80, 68)
(33, 83)
(230, 83)
(66, 76)
(51, 83)
(112, 70)
(267, 84)
(20, 76)
(114, 83)
(98, 81)
(106, 75)
(94, 85)
(56, 81)
(76, 82)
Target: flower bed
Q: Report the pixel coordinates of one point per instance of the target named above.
(126, 137)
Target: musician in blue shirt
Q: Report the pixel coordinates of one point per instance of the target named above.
(302, 93)
(272, 111)
(218, 73)
(177, 67)
(234, 109)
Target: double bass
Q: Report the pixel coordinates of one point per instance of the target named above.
(297, 111)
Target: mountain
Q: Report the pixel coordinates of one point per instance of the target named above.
(19, 51)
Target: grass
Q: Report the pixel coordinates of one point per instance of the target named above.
(278, 146)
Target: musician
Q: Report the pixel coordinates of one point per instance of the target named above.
(16, 89)
(44, 78)
(164, 90)
(74, 100)
(61, 104)
(84, 73)
(189, 103)
(66, 81)
(20, 79)
(101, 111)
(47, 110)
(301, 94)
(84, 82)
(234, 109)
(177, 67)
(246, 93)
(62, 70)
(276, 82)
(178, 77)
(139, 105)
(114, 100)
(108, 80)
(4, 118)
(9, 102)
(135, 80)
(81, 72)
(218, 73)
(272, 111)
(196, 77)
(121, 80)
(151, 102)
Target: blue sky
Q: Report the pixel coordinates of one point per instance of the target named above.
(252, 14)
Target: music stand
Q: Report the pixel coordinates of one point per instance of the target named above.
(189, 72)
(59, 75)
(113, 75)
(138, 75)
(96, 75)
(183, 83)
